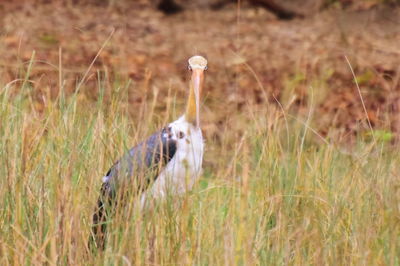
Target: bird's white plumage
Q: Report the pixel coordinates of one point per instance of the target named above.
(181, 172)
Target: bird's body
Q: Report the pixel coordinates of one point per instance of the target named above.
(181, 172)
(167, 163)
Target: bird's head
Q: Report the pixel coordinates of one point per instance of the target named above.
(197, 64)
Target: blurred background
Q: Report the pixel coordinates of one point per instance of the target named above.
(280, 55)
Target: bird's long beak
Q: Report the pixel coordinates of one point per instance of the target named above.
(197, 64)
(196, 85)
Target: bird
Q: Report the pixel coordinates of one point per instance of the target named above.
(167, 163)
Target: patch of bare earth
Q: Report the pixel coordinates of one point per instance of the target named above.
(255, 59)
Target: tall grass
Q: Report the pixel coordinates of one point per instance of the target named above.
(261, 199)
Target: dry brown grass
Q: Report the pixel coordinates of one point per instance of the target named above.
(276, 188)
(253, 56)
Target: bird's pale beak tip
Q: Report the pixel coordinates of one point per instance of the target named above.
(197, 62)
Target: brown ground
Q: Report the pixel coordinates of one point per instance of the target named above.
(253, 57)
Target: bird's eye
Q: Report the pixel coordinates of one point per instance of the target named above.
(181, 135)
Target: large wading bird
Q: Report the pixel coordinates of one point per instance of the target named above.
(167, 163)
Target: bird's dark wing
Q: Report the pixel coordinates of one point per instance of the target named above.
(141, 164)
(138, 168)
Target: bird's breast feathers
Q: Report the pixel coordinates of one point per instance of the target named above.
(184, 168)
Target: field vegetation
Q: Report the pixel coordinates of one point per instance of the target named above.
(301, 164)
